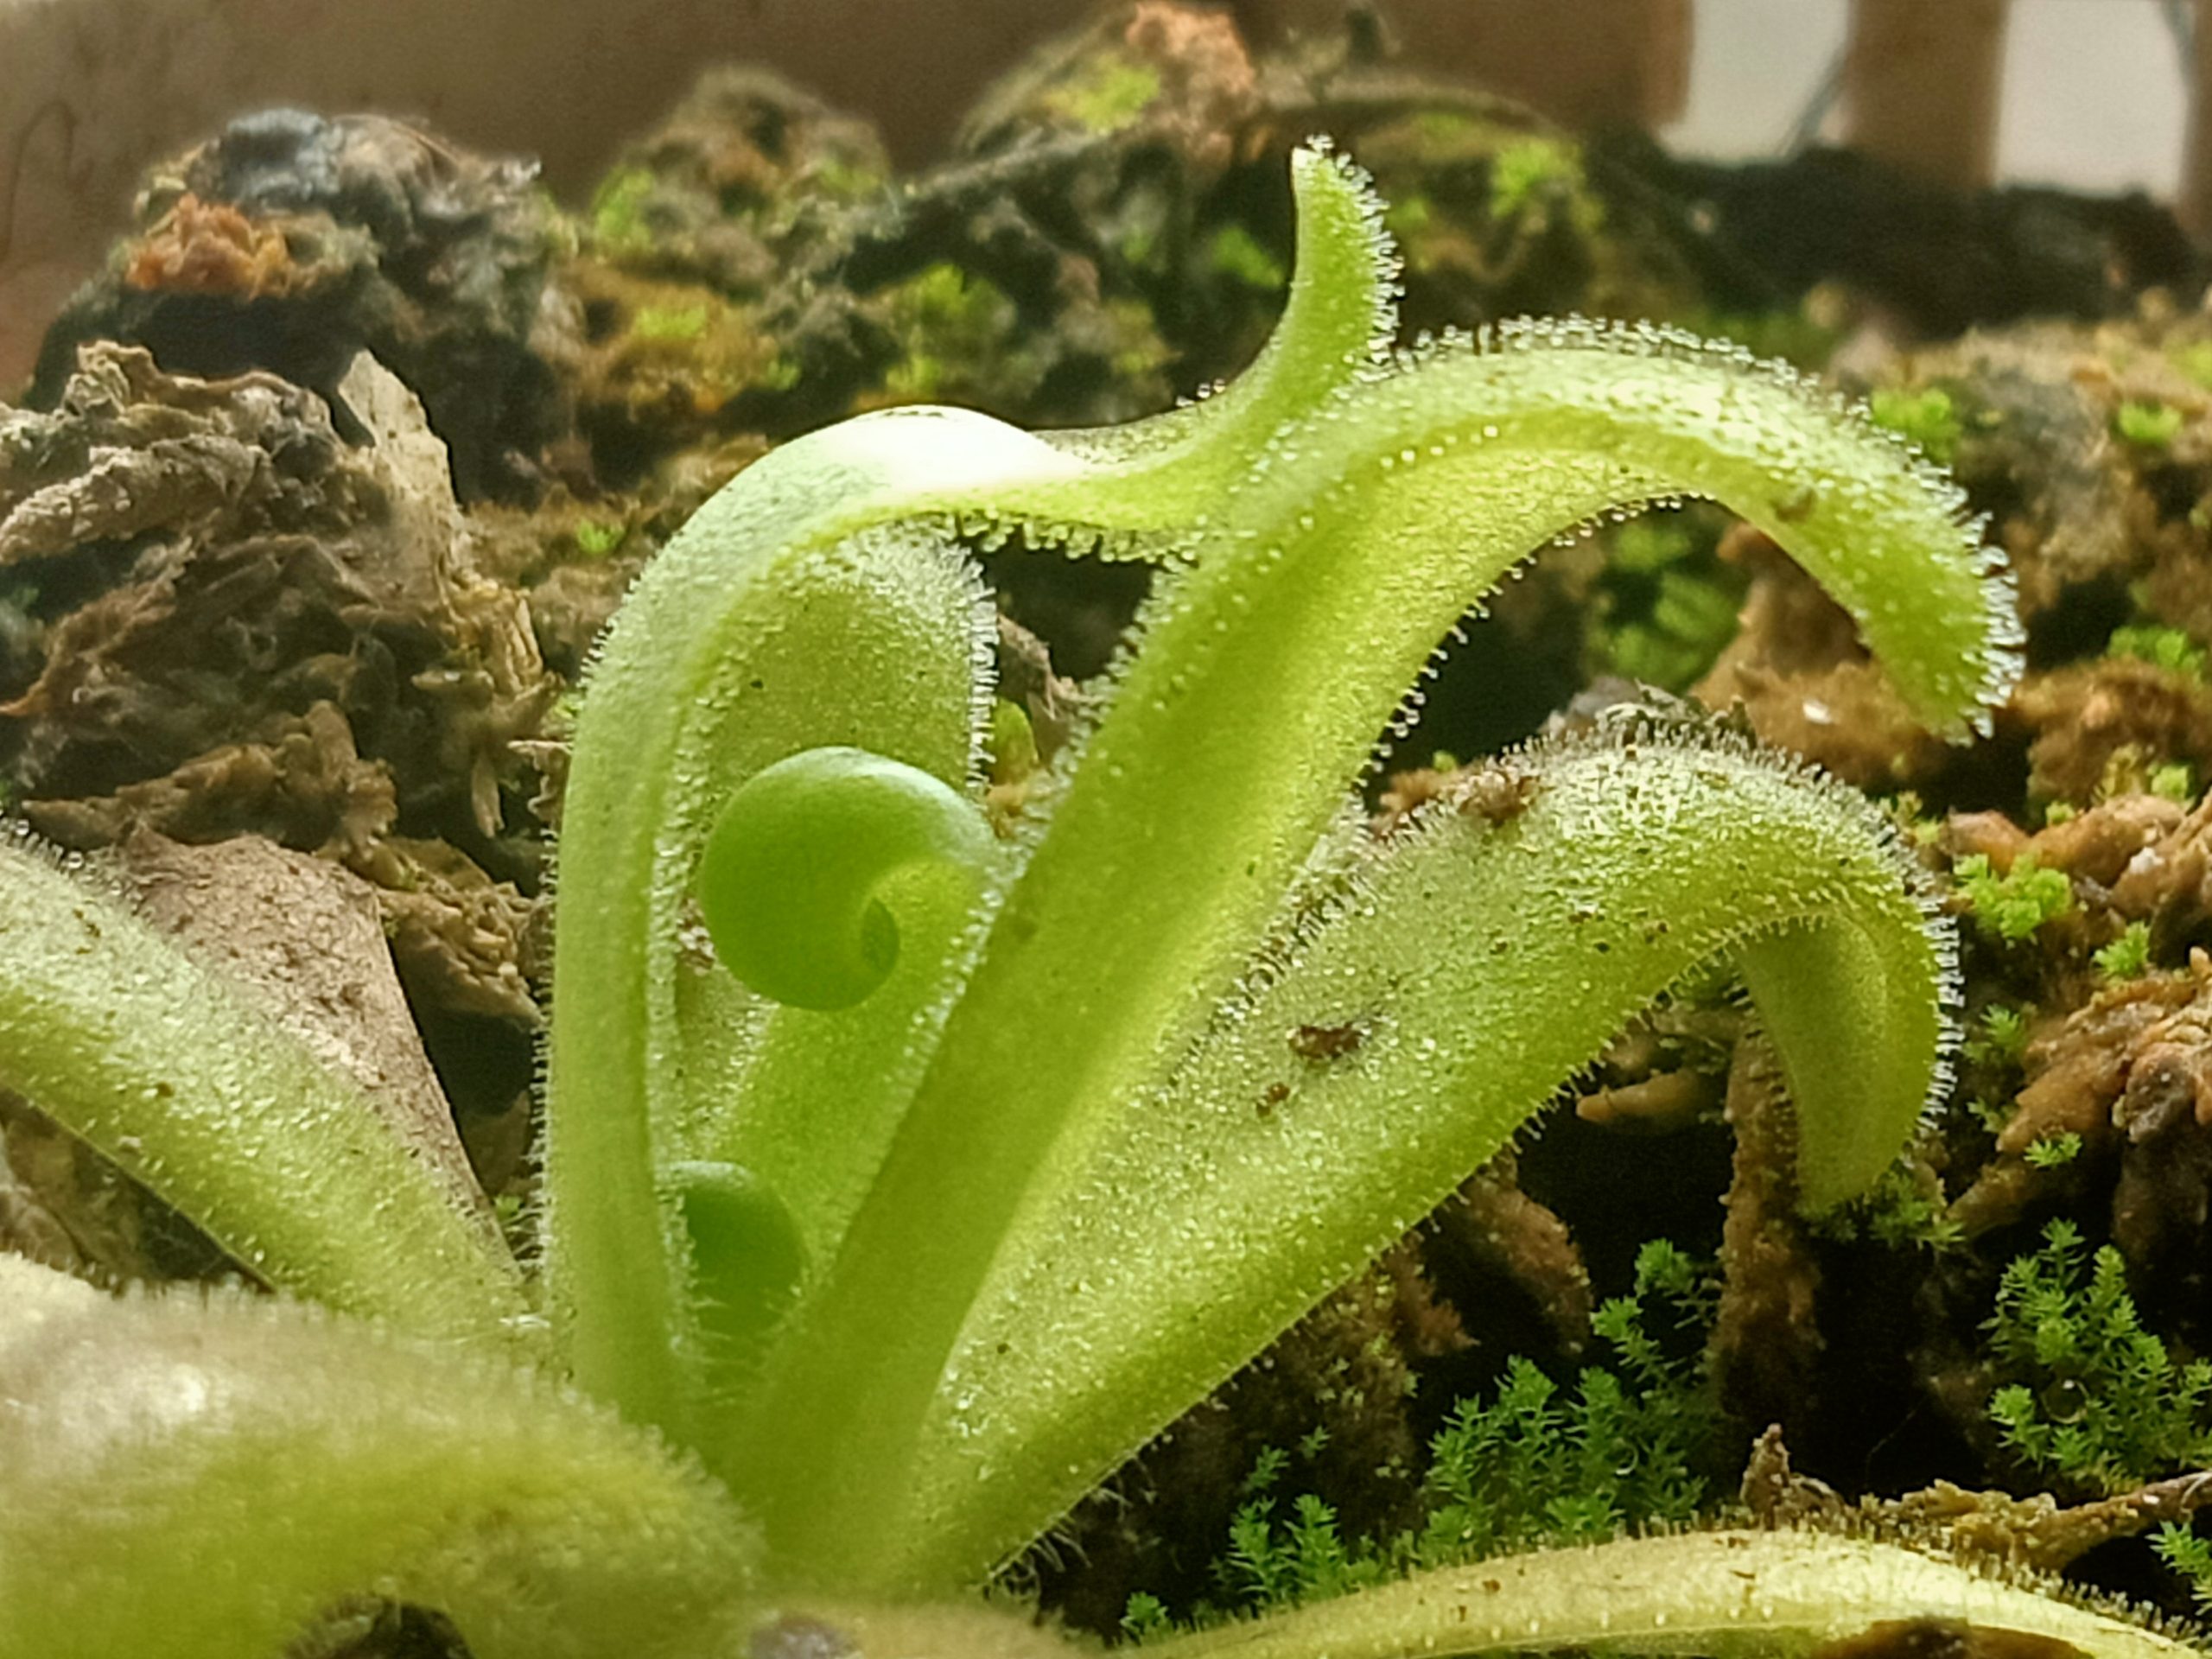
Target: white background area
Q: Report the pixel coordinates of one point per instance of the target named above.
(2095, 94)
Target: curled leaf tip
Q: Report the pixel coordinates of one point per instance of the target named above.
(788, 881)
(748, 1258)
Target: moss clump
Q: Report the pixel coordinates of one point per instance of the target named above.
(2095, 1400)
(1632, 1444)
(2165, 647)
(2012, 905)
(2147, 425)
(1929, 417)
(1110, 93)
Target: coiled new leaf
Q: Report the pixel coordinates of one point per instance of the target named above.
(789, 882)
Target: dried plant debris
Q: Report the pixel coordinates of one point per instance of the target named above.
(1797, 670)
(63, 1205)
(237, 622)
(292, 243)
(322, 575)
(465, 944)
(1995, 1527)
(1766, 1344)
(1491, 1230)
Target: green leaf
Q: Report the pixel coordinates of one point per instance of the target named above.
(206, 1479)
(1482, 964)
(170, 1071)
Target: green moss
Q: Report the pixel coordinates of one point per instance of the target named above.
(1927, 418)
(1108, 93)
(2148, 425)
(1631, 1445)
(2174, 781)
(2188, 1556)
(1141, 351)
(596, 540)
(1790, 334)
(2054, 1151)
(1410, 214)
(1907, 1211)
(943, 315)
(1666, 606)
(1146, 1617)
(1523, 173)
(1235, 252)
(2012, 907)
(2167, 647)
(2194, 361)
(2127, 957)
(2092, 1398)
(1444, 129)
(669, 322)
(617, 210)
(835, 177)
(2002, 1039)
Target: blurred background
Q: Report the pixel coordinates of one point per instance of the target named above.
(2094, 95)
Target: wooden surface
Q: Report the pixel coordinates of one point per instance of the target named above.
(1920, 83)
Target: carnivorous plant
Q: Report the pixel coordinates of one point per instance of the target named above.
(901, 1177)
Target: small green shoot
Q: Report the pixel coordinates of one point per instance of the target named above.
(1528, 172)
(2053, 1151)
(2166, 647)
(1929, 418)
(2148, 425)
(2094, 1401)
(2189, 1553)
(668, 324)
(2127, 957)
(1235, 252)
(1906, 1210)
(2001, 1037)
(2012, 907)
(596, 538)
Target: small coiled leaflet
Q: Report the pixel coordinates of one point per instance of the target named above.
(788, 881)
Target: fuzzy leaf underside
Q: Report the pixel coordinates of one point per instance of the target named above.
(1466, 970)
(1733, 1594)
(205, 1479)
(105, 1025)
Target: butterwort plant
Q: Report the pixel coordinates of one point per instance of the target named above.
(902, 1176)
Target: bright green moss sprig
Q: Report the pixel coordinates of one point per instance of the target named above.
(2094, 1401)
(2001, 1036)
(2167, 647)
(2053, 1151)
(1632, 1445)
(2012, 905)
(1927, 418)
(2189, 1554)
(2127, 957)
(2148, 424)
(903, 1180)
